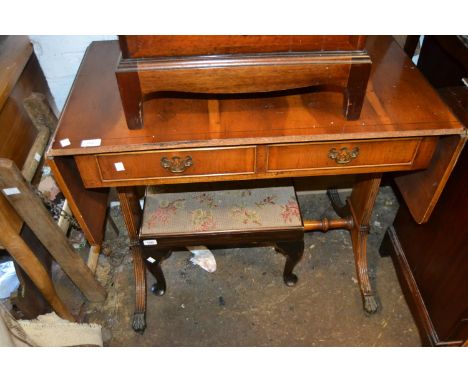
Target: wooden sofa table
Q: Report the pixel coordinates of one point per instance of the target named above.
(224, 138)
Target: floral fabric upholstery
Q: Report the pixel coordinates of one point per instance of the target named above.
(226, 210)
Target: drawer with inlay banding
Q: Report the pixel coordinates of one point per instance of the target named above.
(176, 163)
(381, 155)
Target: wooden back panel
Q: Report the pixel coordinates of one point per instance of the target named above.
(14, 55)
(20, 75)
(155, 46)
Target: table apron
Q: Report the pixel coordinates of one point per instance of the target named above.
(213, 164)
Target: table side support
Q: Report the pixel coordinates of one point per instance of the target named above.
(355, 216)
(361, 203)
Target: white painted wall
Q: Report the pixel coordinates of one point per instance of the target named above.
(60, 58)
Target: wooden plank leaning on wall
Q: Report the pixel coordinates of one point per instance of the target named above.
(33, 212)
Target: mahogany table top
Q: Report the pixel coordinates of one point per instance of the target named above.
(399, 103)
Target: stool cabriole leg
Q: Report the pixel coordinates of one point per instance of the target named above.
(153, 259)
(293, 250)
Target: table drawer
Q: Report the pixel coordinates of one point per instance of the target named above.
(346, 154)
(176, 163)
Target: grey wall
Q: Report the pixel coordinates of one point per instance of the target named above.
(60, 58)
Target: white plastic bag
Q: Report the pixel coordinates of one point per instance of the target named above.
(8, 280)
(203, 257)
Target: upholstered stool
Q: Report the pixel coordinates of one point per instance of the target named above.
(268, 215)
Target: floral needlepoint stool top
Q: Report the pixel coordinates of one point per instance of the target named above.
(224, 210)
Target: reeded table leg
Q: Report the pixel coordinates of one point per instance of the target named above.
(361, 203)
(139, 270)
(293, 250)
(130, 207)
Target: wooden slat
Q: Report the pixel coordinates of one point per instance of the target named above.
(45, 122)
(28, 261)
(13, 218)
(63, 222)
(29, 299)
(30, 208)
(93, 257)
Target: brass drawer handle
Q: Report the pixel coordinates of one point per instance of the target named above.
(176, 164)
(343, 156)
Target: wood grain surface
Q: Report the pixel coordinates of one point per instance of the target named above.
(399, 103)
(423, 189)
(89, 207)
(182, 45)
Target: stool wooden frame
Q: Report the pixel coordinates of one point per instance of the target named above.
(289, 242)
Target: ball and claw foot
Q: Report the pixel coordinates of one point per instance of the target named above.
(157, 291)
(139, 322)
(370, 304)
(290, 280)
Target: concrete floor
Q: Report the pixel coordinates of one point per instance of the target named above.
(245, 303)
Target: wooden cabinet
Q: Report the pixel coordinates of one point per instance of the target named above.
(432, 258)
(432, 262)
